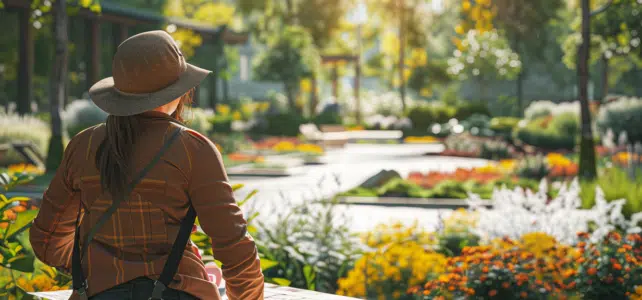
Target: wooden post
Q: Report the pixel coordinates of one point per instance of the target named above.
(357, 87)
(402, 46)
(120, 33)
(335, 81)
(25, 68)
(93, 51)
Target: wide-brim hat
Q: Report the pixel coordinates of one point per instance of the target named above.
(148, 71)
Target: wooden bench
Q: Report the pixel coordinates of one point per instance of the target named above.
(27, 150)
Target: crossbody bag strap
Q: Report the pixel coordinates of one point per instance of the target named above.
(176, 254)
(78, 277)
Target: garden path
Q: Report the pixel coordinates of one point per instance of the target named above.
(347, 168)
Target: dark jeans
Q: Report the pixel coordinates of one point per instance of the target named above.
(139, 289)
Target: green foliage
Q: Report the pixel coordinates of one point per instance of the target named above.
(533, 167)
(311, 244)
(82, 114)
(623, 115)
(328, 118)
(433, 73)
(221, 124)
(616, 184)
(290, 57)
(281, 124)
(198, 119)
(15, 128)
(495, 150)
(467, 109)
(553, 133)
(485, 56)
(504, 125)
(15, 220)
(424, 116)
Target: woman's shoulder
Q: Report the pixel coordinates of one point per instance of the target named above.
(196, 139)
(87, 136)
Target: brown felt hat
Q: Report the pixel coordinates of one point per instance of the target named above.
(148, 71)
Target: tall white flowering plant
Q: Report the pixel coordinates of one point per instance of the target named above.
(517, 212)
(483, 57)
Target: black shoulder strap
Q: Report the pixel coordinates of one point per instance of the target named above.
(175, 256)
(78, 278)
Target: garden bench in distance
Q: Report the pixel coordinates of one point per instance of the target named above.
(27, 150)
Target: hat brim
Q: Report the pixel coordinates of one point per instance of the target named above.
(117, 103)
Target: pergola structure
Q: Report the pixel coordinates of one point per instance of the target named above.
(333, 59)
(122, 19)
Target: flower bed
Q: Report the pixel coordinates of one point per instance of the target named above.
(421, 140)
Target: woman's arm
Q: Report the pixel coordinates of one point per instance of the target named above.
(52, 232)
(222, 219)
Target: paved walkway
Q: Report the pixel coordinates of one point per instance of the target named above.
(347, 168)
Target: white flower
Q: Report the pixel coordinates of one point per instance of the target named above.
(517, 212)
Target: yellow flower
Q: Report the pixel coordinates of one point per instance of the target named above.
(556, 159)
(24, 169)
(465, 5)
(310, 148)
(223, 109)
(236, 115)
(305, 85)
(263, 107)
(426, 92)
(459, 29)
(284, 147)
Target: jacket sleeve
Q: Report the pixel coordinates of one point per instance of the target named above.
(52, 231)
(222, 219)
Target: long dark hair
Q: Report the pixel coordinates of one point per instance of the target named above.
(114, 155)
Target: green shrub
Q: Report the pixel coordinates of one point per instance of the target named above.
(197, 119)
(495, 150)
(424, 116)
(311, 245)
(14, 128)
(466, 110)
(328, 118)
(616, 184)
(82, 114)
(221, 124)
(503, 124)
(280, 124)
(539, 109)
(554, 133)
(533, 167)
(623, 115)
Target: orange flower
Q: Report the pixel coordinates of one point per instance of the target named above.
(523, 295)
(485, 269)
(592, 271)
(506, 285)
(617, 266)
(9, 215)
(18, 209)
(4, 225)
(492, 293)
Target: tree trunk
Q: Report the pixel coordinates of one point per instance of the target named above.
(587, 169)
(313, 96)
(289, 92)
(57, 85)
(402, 44)
(335, 82)
(226, 90)
(605, 77)
(25, 68)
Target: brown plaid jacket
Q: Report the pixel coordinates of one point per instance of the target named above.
(138, 237)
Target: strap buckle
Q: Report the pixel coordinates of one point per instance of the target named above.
(82, 290)
(157, 293)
